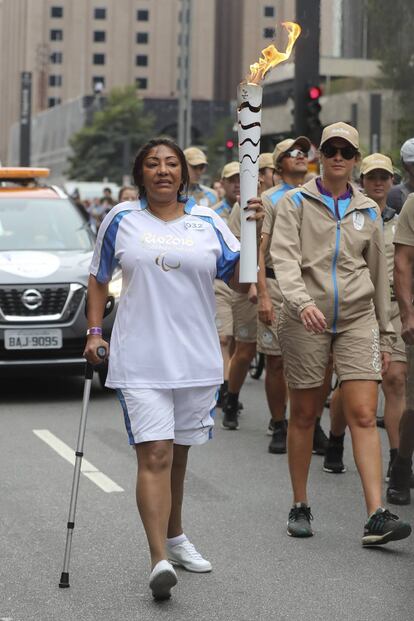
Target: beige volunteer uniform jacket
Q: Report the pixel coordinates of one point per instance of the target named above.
(234, 220)
(270, 199)
(404, 233)
(202, 194)
(332, 254)
(223, 209)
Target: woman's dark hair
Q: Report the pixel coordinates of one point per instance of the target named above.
(142, 154)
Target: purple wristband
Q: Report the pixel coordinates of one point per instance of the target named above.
(95, 331)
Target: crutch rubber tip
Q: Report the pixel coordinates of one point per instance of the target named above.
(64, 580)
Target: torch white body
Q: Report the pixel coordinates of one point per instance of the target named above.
(249, 113)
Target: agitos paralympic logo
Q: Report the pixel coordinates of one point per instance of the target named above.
(167, 263)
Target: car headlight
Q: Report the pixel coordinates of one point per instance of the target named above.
(115, 286)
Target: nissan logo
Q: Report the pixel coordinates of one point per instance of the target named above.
(32, 299)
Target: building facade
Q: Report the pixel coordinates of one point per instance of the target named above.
(72, 47)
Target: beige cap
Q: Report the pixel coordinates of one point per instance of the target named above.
(195, 156)
(230, 169)
(286, 145)
(376, 161)
(266, 161)
(341, 130)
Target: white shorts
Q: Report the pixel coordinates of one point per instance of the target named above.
(184, 415)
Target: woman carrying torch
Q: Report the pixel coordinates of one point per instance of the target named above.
(169, 251)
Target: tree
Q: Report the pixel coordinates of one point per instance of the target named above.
(119, 129)
(216, 146)
(391, 29)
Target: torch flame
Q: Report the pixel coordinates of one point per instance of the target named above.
(272, 56)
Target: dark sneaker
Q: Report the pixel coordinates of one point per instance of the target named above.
(230, 418)
(320, 440)
(383, 527)
(270, 428)
(278, 442)
(300, 517)
(398, 491)
(380, 422)
(333, 461)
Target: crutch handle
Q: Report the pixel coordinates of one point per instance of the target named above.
(101, 352)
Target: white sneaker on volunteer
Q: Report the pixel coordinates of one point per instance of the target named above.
(162, 579)
(185, 555)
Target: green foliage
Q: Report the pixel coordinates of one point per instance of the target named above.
(216, 147)
(391, 39)
(99, 149)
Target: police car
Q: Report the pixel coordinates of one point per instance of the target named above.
(46, 247)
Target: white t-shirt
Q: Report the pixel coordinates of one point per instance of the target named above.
(164, 334)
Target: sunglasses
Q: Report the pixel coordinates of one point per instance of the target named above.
(348, 152)
(296, 153)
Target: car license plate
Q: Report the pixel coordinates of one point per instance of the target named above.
(33, 339)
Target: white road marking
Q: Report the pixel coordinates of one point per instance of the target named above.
(89, 470)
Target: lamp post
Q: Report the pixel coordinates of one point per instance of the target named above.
(25, 117)
(184, 97)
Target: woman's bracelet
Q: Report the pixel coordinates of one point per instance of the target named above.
(94, 331)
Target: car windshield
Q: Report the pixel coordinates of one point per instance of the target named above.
(42, 224)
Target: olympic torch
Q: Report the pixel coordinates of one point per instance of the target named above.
(249, 113)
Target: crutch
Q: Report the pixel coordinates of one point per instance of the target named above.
(101, 353)
(64, 578)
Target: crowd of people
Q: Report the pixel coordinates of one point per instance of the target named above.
(333, 300)
(97, 208)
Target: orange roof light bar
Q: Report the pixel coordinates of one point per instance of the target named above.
(14, 172)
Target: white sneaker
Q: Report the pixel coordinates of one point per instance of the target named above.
(185, 555)
(162, 579)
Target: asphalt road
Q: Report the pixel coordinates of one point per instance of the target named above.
(237, 500)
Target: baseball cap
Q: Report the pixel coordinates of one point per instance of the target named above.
(407, 150)
(230, 169)
(266, 161)
(282, 147)
(376, 161)
(195, 156)
(340, 130)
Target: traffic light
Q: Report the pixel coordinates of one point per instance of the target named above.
(229, 149)
(313, 109)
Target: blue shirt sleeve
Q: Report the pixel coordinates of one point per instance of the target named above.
(230, 246)
(227, 261)
(105, 249)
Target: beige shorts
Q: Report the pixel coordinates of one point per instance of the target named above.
(356, 352)
(267, 338)
(224, 310)
(245, 318)
(398, 348)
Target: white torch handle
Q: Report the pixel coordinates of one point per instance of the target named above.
(249, 129)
